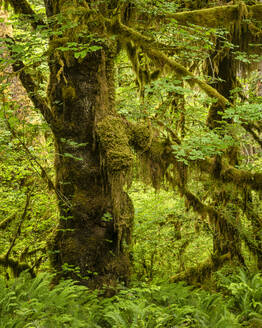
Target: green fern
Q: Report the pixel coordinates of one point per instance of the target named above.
(30, 303)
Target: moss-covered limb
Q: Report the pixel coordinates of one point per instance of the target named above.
(160, 59)
(198, 274)
(222, 16)
(16, 266)
(161, 151)
(199, 207)
(22, 7)
(209, 17)
(124, 33)
(229, 174)
(241, 178)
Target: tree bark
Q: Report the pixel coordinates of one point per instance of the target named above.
(91, 241)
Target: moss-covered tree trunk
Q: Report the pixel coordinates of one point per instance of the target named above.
(226, 238)
(91, 241)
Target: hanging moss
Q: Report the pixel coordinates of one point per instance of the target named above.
(152, 153)
(117, 164)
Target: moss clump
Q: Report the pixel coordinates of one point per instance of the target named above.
(117, 161)
(114, 143)
(141, 136)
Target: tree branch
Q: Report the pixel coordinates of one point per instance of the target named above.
(160, 59)
(229, 174)
(222, 16)
(242, 177)
(43, 174)
(209, 17)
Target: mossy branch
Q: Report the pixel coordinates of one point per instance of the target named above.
(160, 59)
(199, 207)
(229, 174)
(209, 17)
(222, 16)
(198, 274)
(123, 31)
(242, 178)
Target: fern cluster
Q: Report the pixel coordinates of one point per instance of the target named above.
(30, 303)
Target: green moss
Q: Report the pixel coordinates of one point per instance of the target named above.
(141, 136)
(114, 143)
(209, 17)
(68, 92)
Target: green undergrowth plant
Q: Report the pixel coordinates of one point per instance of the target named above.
(245, 292)
(31, 303)
(168, 305)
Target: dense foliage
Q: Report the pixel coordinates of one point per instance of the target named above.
(27, 302)
(130, 162)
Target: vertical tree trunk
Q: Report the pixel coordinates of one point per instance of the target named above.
(226, 239)
(91, 242)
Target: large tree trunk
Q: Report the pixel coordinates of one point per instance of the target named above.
(92, 161)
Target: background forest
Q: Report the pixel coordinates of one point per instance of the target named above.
(131, 171)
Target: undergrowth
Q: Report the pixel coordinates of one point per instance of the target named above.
(30, 303)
